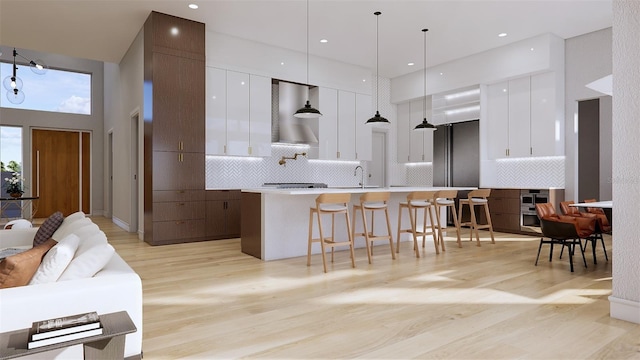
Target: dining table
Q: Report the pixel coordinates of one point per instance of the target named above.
(606, 206)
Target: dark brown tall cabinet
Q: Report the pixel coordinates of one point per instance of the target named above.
(174, 122)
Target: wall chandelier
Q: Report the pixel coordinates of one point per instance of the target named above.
(13, 83)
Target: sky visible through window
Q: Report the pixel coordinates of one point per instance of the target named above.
(10, 144)
(55, 91)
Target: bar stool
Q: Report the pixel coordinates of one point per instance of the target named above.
(446, 198)
(330, 204)
(477, 198)
(373, 201)
(417, 200)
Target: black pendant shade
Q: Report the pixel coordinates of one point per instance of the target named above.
(307, 112)
(377, 119)
(425, 125)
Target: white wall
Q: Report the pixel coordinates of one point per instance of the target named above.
(509, 61)
(625, 297)
(587, 58)
(233, 53)
(124, 86)
(29, 119)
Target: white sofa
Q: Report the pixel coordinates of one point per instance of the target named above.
(114, 288)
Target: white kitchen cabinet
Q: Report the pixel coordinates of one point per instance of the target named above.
(342, 130)
(237, 113)
(413, 146)
(216, 110)
(362, 129)
(238, 110)
(346, 125)
(498, 116)
(521, 117)
(543, 115)
(259, 116)
(327, 100)
(403, 128)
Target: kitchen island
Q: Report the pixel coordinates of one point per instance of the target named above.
(275, 222)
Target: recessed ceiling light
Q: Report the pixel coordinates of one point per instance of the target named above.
(364, 80)
(193, 6)
(531, 49)
(411, 64)
(502, 34)
(282, 63)
(174, 31)
(324, 41)
(441, 73)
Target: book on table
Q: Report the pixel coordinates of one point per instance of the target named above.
(53, 331)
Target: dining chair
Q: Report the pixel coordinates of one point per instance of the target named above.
(562, 230)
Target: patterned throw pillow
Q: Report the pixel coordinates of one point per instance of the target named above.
(47, 228)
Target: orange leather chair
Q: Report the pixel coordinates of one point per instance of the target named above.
(563, 230)
(600, 225)
(603, 227)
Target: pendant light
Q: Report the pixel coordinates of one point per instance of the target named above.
(377, 119)
(13, 84)
(307, 112)
(425, 125)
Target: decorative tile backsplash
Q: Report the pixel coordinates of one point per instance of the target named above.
(227, 172)
(541, 172)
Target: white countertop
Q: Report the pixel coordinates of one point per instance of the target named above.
(352, 190)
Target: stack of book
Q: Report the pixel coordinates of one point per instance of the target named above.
(54, 331)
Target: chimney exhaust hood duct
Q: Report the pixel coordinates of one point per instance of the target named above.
(293, 130)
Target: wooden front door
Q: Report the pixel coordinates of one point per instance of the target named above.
(61, 165)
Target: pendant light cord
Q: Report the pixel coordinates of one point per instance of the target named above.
(377, 62)
(424, 104)
(307, 44)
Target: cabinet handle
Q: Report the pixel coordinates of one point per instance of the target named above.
(338, 154)
(422, 157)
(225, 149)
(531, 151)
(181, 191)
(179, 222)
(180, 204)
(180, 145)
(250, 150)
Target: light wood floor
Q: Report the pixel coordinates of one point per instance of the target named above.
(209, 301)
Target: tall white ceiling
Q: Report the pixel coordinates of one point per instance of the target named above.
(104, 29)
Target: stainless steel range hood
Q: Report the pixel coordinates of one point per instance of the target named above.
(292, 130)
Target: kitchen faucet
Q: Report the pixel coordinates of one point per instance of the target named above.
(355, 172)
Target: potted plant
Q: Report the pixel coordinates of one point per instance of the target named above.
(14, 185)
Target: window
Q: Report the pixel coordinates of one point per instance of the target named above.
(10, 154)
(55, 91)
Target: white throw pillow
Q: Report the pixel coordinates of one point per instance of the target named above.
(88, 263)
(70, 224)
(56, 260)
(90, 239)
(18, 224)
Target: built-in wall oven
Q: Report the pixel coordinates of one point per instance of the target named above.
(528, 199)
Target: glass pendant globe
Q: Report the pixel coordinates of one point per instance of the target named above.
(15, 96)
(11, 83)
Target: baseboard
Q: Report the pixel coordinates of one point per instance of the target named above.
(624, 309)
(120, 223)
